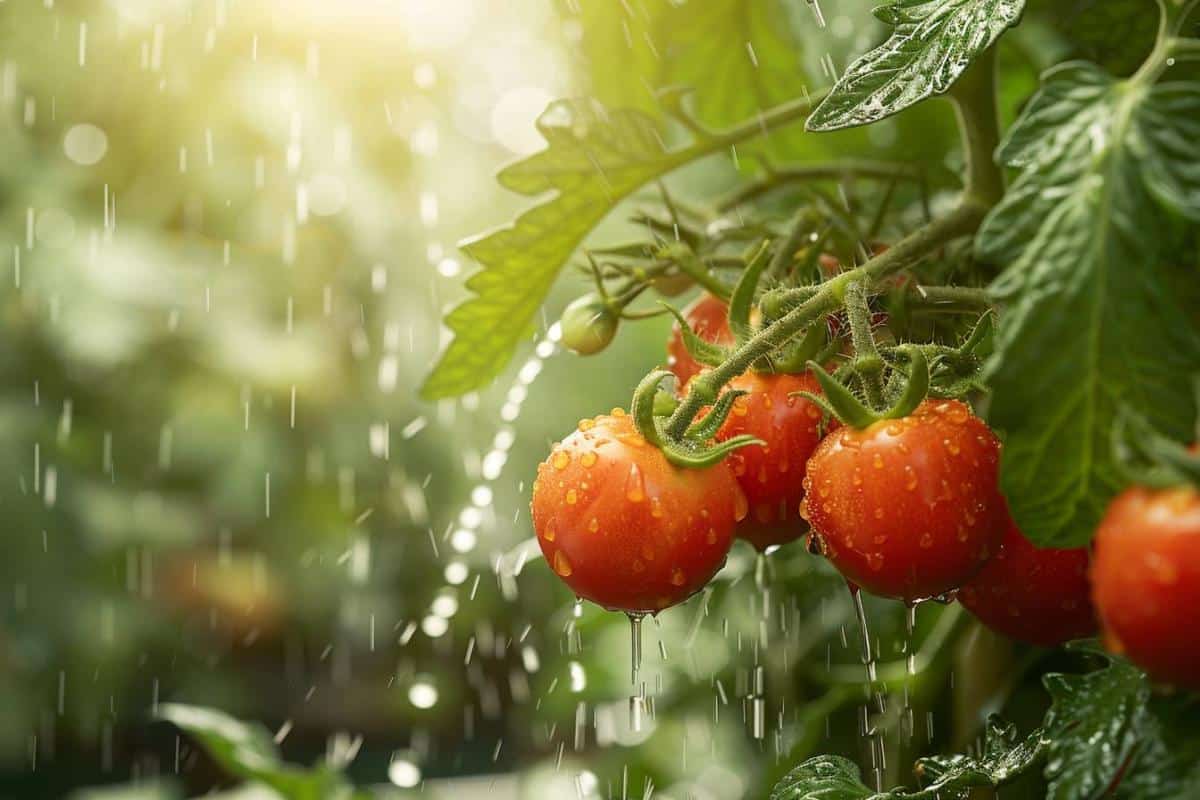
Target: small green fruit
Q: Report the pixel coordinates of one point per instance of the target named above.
(588, 325)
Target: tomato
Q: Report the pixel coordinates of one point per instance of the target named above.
(625, 528)
(708, 317)
(908, 508)
(1146, 581)
(1037, 595)
(588, 325)
(771, 476)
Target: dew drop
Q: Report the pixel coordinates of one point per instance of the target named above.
(561, 565)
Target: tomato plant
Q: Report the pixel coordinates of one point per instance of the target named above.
(946, 411)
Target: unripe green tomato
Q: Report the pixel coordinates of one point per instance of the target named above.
(588, 325)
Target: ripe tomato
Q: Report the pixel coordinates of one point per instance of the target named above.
(708, 316)
(625, 528)
(908, 508)
(1146, 581)
(771, 475)
(1036, 595)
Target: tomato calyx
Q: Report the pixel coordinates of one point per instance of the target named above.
(693, 450)
(841, 402)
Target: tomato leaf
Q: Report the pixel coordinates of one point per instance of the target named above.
(247, 751)
(933, 43)
(1090, 324)
(823, 778)
(593, 159)
(1005, 757)
(738, 56)
(1095, 723)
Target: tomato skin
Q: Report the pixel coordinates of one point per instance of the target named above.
(709, 318)
(1036, 595)
(771, 476)
(1146, 581)
(908, 508)
(622, 526)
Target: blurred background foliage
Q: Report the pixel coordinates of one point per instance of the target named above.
(226, 236)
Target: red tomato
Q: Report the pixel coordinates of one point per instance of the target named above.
(1146, 581)
(771, 475)
(1036, 595)
(622, 526)
(908, 508)
(708, 316)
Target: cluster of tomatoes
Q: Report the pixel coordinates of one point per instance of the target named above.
(908, 508)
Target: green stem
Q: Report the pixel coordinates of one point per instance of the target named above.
(958, 297)
(818, 171)
(974, 97)
(1172, 14)
(690, 263)
(868, 363)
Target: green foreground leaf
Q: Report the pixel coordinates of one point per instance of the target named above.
(1108, 169)
(593, 159)
(933, 43)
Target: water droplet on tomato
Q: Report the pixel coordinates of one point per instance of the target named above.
(572, 497)
(549, 534)
(952, 447)
(677, 577)
(875, 561)
(635, 485)
(877, 461)
(926, 540)
(593, 525)
(588, 459)
(741, 506)
(561, 565)
(561, 460)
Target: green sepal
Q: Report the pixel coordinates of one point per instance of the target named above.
(742, 299)
(665, 403)
(796, 357)
(704, 429)
(682, 455)
(915, 389)
(642, 407)
(840, 401)
(706, 353)
(980, 334)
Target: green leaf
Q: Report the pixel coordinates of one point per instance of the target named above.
(1005, 757)
(822, 778)
(593, 159)
(739, 56)
(1168, 762)
(1095, 722)
(1108, 171)
(248, 751)
(933, 43)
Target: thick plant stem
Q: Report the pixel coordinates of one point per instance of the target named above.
(974, 99)
(868, 362)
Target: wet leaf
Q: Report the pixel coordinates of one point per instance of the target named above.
(1089, 322)
(247, 751)
(1005, 757)
(822, 778)
(933, 43)
(1095, 722)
